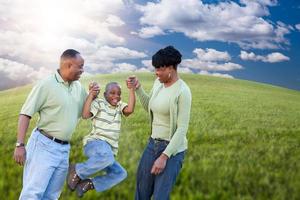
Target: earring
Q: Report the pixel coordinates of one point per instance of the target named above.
(169, 76)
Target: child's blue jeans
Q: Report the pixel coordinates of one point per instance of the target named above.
(100, 157)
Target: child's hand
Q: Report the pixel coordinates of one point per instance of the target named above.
(94, 89)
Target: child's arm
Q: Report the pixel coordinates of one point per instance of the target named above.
(131, 103)
(86, 113)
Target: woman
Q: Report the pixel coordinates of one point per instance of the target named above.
(168, 105)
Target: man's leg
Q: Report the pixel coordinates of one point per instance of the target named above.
(38, 168)
(145, 180)
(58, 178)
(114, 175)
(166, 180)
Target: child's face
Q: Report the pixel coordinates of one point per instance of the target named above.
(113, 95)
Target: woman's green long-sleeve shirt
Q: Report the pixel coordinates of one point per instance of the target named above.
(180, 107)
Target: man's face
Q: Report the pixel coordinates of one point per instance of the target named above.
(76, 68)
(113, 95)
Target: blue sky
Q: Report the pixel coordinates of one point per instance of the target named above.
(255, 40)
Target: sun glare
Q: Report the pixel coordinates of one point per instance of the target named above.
(52, 20)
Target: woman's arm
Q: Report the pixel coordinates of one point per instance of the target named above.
(143, 96)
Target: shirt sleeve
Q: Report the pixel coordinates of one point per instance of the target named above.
(144, 97)
(35, 100)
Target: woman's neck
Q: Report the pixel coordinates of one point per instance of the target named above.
(174, 77)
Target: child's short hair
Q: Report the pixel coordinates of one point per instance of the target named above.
(110, 84)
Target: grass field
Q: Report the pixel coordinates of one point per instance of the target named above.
(244, 141)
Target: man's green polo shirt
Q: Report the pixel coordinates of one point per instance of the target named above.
(59, 105)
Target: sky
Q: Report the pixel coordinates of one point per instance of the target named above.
(256, 40)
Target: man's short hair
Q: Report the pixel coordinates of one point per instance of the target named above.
(166, 57)
(69, 53)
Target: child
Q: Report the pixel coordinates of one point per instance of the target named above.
(101, 145)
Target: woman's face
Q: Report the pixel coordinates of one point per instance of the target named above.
(164, 73)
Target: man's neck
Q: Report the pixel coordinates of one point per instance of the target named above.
(63, 76)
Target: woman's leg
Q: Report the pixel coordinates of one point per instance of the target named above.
(166, 180)
(145, 180)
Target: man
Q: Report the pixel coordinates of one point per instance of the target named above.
(59, 101)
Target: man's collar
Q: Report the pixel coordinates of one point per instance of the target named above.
(58, 77)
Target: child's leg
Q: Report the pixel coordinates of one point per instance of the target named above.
(114, 175)
(99, 155)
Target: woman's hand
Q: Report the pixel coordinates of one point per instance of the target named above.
(132, 82)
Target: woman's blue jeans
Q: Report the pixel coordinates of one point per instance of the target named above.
(100, 158)
(160, 185)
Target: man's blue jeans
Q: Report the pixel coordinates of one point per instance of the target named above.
(160, 185)
(100, 157)
(45, 168)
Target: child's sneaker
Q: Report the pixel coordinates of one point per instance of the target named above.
(84, 186)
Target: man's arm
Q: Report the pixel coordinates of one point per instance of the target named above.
(20, 151)
(131, 103)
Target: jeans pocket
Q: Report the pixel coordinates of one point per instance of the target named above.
(30, 147)
(44, 142)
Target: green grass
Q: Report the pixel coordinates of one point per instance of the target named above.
(244, 141)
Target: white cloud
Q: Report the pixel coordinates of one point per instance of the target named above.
(216, 74)
(210, 60)
(15, 71)
(184, 70)
(211, 55)
(148, 64)
(143, 69)
(262, 2)
(151, 31)
(113, 21)
(276, 57)
(297, 26)
(270, 58)
(103, 60)
(125, 67)
(34, 33)
(226, 21)
(117, 53)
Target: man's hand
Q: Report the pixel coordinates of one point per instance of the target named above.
(20, 155)
(94, 89)
(159, 164)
